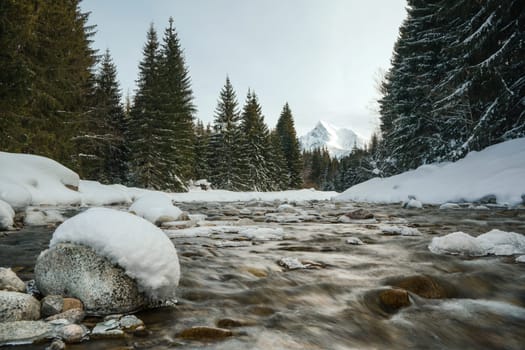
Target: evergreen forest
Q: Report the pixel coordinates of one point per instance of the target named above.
(456, 84)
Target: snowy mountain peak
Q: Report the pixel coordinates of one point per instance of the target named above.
(339, 141)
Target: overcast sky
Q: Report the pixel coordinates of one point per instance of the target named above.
(319, 55)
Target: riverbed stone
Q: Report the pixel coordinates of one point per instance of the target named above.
(25, 332)
(71, 315)
(57, 344)
(15, 306)
(424, 286)
(51, 305)
(72, 303)
(72, 333)
(205, 333)
(129, 323)
(359, 214)
(394, 299)
(9, 281)
(107, 329)
(77, 271)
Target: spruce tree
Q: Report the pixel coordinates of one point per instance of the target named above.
(225, 144)
(144, 137)
(176, 111)
(280, 176)
(104, 152)
(201, 167)
(256, 146)
(290, 147)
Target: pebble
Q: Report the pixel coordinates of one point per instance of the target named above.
(205, 333)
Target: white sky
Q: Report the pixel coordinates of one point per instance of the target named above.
(319, 55)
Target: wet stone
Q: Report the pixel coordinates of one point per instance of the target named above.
(130, 323)
(56, 344)
(52, 305)
(231, 323)
(16, 306)
(72, 333)
(72, 303)
(9, 281)
(424, 286)
(72, 316)
(205, 333)
(394, 299)
(24, 332)
(107, 329)
(359, 214)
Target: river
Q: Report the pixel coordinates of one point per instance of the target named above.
(233, 281)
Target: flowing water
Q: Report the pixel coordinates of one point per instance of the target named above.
(230, 280)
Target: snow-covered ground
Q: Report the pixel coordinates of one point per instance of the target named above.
(498, 170)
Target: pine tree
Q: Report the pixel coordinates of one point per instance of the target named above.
(177, 111)
(201, 167)
(280, 177)
(104, 152)
(290, 146)
(145, 140)
(256, 146)
(225, 143)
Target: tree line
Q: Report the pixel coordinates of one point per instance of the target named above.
(59, 98)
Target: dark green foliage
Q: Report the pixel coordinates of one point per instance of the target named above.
(226, 153)
(46, 69)
(104, 152)
(256, 146)
(278, 166)
(457, 81)
(201, 166)
(290, 147)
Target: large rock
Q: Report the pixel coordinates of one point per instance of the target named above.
(10, 281)
(77, 271)
(16, 306)
(25, 332)
(424, 286)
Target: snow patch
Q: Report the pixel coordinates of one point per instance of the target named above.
(497, 170)
(96, 194)
(140, 248)
(494, 242)
(156, 207)
(36, 217)
(7, 215)
(399, 230)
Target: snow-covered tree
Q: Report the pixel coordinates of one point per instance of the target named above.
(290, 147)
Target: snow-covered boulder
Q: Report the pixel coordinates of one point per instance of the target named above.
(28, 179)
(17, 306)
(7, 215)
(9, 281)
(38, 217)
(156, 207)
(123, 245)
(77, 271)
(494, 242)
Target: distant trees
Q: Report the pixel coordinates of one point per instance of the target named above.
(456, 83)
(290, 148)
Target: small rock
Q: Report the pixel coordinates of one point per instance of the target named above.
(412, 203)
(24, 332)
(424, 286)
(205, 333)
(286, 208)
(354, 241)
(231, 323)
(257, 272)
(449, 206)
(72, 333)
(71, 315)
(107, 329)
(394, 299)
(184, 216)
(520, 259)
(130, 323)
(72, 303)
(9, 281)
(16, 306)
(291, 263)
(359, 214)
(57, 344)
(51, 305)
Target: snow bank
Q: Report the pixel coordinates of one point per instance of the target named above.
(494, 242)
(36, 217)
(229, 196)
(96, 194)
(7, 215)
(156, 207)
(497, 170)
(139, 247)
(28, 179)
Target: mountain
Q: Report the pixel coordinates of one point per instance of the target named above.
(338, 141)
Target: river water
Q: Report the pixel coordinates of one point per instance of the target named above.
(230, 279)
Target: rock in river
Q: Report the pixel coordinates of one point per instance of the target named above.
(77, 271)
(16, 306)
(10, 281)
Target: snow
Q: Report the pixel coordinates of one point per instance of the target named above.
(497, 170)
(338, 141)
(140, 248)
(36, 217)
(494, 242)
(96, 194)
(413, 204)
(156, 207)
(399, 230)
(28, 179)
(449, 206)
(354, 241)
(7, 215)
(520, 259)
(291, 263)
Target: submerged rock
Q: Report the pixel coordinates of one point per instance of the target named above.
(424, 286)
(77, 271)
(9, 281)
(16, 306)
(205, 333)
(394, 299)
(359, 214)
